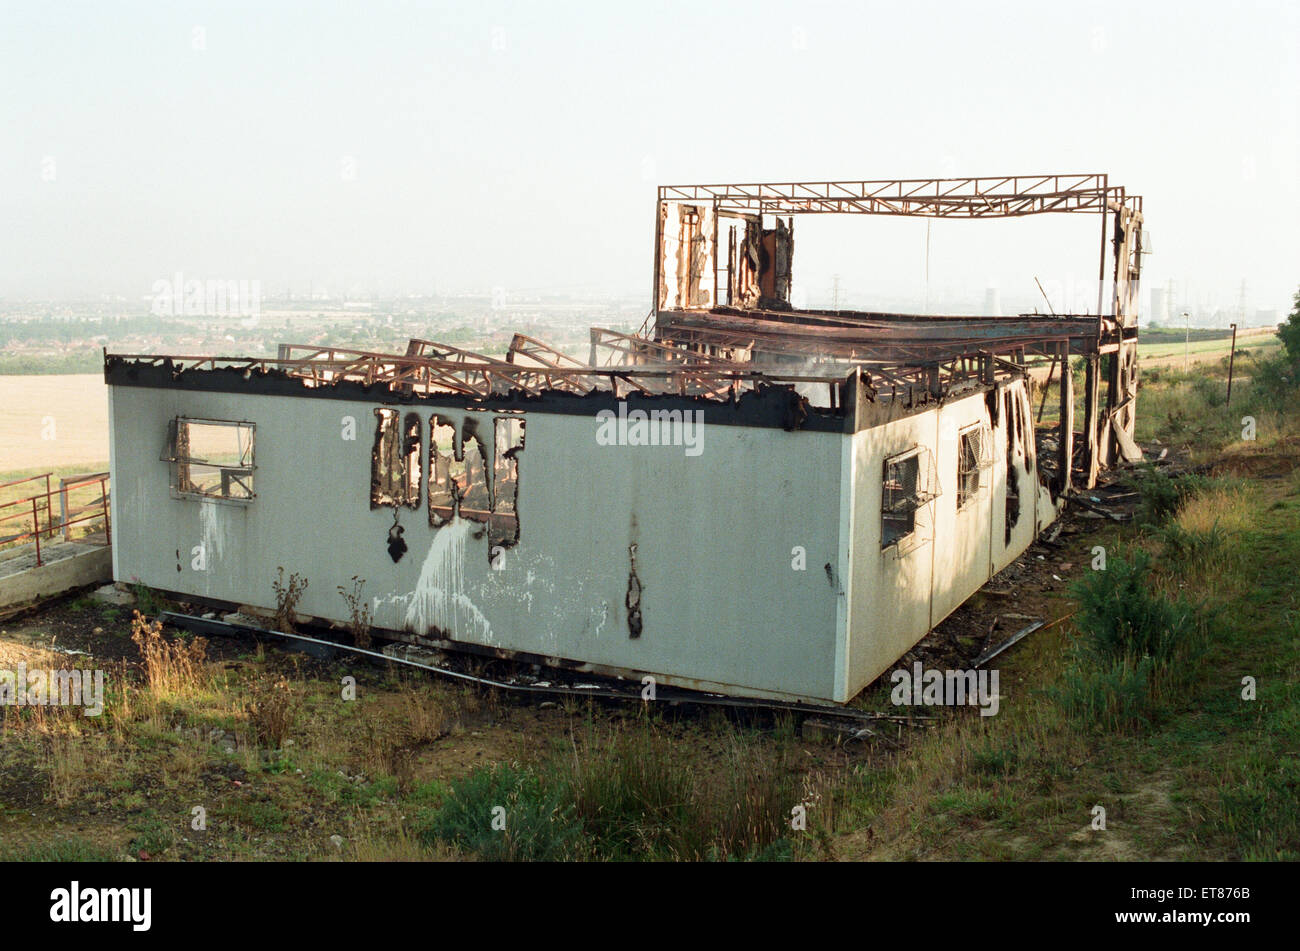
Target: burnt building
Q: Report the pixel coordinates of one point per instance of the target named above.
(744, 496)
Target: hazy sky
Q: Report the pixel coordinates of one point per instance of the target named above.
(418, 147)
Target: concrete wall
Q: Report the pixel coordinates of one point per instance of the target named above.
(56, 577)
(714, 534)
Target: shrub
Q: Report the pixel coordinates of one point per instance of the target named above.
(1273, 380)
(1289, 331)
(360, 615)
(1162, 495)
(172, 667)
(637, 796)
(1212, 392)
(1137, 648)
(153, 838)
(146, 601)
(1121, 618)
(1192, 548)
(287, 596)
(627, 796)
(1116, 697)
(748, 807)
(270, 712)
(537, 826)
(632, 794)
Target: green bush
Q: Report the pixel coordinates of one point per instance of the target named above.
(146, 602)
(1289, 331)
(1121, 618)
(153, 837)
(626, 796)
(1195, 549)
(633, 795)
(1115, 697)
(1137, 648)
(1213, 393)
(538, 827)
(1161, 495)
(1272, 381)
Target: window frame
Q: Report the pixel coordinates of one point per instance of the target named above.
(982, 460)
(243, 474)
(926, 491)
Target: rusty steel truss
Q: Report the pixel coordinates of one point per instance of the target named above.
(993, 197)
(327, 366)
(722, 278)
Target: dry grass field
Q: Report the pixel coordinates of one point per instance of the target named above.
(53, 422)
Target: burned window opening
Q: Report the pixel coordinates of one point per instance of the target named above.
(633, 599)
(470, 475)
(909, 483)
(411, 459)
(1013, 500)
(395, 461)
(461, 483)
(776, 253)
(211, 458)
(442, 456)
(1024, 430)
(1012, 516)
(503, 526)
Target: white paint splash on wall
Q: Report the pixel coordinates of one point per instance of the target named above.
(212, 530)
(439, 599)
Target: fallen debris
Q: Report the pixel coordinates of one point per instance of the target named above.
(1020, 635)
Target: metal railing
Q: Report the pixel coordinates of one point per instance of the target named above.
(37, 510)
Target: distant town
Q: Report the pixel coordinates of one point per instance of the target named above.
(69, 336)
(46, 336)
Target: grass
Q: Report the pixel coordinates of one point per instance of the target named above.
(174, 667)
(1188, 409)
(63, 850)
(1168, 697)
(626, 792)
(1137, 706)
(1155, 344)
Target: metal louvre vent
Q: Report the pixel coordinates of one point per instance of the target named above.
(974, 455)
(911, 480)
